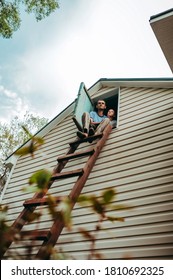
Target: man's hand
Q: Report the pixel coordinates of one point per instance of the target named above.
(95, 123)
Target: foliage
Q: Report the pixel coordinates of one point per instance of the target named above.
(10, 13)
(61, 209)
(9, 18)
(14, 134)
(6, 232)
(101, 205)
(33, 146)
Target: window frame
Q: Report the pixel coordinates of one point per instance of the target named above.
(107, 95)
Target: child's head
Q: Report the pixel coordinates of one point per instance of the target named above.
(111, 113)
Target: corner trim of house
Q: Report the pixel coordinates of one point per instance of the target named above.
(11, 162)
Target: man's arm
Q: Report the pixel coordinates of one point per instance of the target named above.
(92, 118)
(92, 122)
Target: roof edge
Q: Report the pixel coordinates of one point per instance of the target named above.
(161, 15)
(101, 81)
(136, 79)
(46, 128)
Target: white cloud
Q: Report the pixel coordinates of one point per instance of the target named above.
(11, 104)
(9, 93)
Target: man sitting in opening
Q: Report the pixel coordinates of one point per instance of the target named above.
(94, 122)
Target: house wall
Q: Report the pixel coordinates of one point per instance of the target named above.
(137, 160)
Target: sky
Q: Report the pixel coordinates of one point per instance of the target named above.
(43, 64)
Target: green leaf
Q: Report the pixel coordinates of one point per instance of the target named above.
(26, 150)
(33, 146)
(97, 206)
(59, 256)
(27, 131)
(84, 200)
(65, 207)
(108, 195)
(41, 178)
(119, 207)
(33, 216)
(113, 219)
(86, 234)
(38, 140)
(3, 212)
(52, 205)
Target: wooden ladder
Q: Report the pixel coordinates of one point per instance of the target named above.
(51, 236)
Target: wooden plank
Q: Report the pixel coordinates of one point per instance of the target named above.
(39, 201)
(77, 172)
(76, 155)
(87, 139)
(36, 235)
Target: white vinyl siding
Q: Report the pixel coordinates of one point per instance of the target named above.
(137, 160)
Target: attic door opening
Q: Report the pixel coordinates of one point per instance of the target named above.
(84, 103)
(111, 98)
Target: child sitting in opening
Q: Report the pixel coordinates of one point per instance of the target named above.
(111, 116)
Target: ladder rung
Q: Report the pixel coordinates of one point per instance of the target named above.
(62, 175)
(36, 235)
(38, 201)
(75, 155)
(87, 139)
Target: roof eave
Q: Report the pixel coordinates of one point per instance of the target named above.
(161, 15)
(162, 25)
(166, 82)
